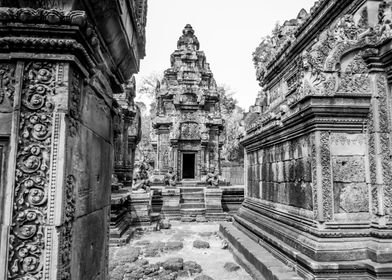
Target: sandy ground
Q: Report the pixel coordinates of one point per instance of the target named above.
(212, 260)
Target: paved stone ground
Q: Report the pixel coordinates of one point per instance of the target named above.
(170, 254)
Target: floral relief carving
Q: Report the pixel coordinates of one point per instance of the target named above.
(66, 229)
(7, 80)
(326, 175)
(355, 77)
(74, 103)
(32, 172)
(190, 131)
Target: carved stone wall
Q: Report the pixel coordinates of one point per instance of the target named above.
(282, 174)
(56, 115)
(319, 143)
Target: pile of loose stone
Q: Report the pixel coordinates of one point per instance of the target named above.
(130, 263)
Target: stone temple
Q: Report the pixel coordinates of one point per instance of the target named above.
(188, 123)
(318, 146)
(318, 152)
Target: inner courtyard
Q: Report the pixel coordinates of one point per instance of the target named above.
(165, 140)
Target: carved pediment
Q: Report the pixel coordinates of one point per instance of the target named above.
(190, 131)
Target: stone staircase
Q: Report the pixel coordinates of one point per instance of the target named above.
(192, 202)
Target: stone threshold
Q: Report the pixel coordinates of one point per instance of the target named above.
(256, 260)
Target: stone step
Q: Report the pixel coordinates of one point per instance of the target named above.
(192, 195)
(182, 201)
(197, 198)
(192, 205)
(191, 189)
(192, 212)
(257, 260)
(187, 185)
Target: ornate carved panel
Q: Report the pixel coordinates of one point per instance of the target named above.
(188, 98)
(326, 184)
(65, 247)
(7, 80)
(190, 131)
(74, 103)
(27, 240)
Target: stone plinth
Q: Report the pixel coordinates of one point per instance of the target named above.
(141, 208)
(213, 204)
(171, 203)
(232, 197)
(318, 155)
(120, 219)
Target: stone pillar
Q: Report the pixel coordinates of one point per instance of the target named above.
(175, 158)
(58, 152)
(171, 203)
(131, 155)
(56, 123)
(203, 161)
(140, 207)
(213, 203)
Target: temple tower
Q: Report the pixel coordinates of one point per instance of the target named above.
(188, 122)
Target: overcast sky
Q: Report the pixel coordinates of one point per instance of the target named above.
(228, 32)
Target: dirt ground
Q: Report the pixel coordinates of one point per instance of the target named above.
(170, 254)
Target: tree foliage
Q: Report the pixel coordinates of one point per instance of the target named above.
(145, 99)
(233, 127)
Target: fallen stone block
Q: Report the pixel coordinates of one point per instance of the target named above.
(229, 266)
(203, 277)
(200, 244)
(173, 264)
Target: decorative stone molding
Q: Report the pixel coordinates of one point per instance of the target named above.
(7, 80)
(32, 173)
(66, 233)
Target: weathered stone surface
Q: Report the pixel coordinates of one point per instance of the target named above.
(351, 198)
(206, 234)
(203, 277)
(188, 219)
(95, 241)
(173, 264)
(320, 134)
(201, 219)
(59, 83)
(143, 243)
(165, 224)
(201, 244)
(130, 254)
(348, 169)
(174, 245)
(347, 144)
(192, 267)
(229, 266)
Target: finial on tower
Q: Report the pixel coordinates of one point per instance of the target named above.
(188, 40)
(188, 30)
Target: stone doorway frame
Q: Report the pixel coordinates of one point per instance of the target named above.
(182, 164)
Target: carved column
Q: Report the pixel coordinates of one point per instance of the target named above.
(44, 180)
(56, 118)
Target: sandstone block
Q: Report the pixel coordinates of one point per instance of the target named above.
(201, 244)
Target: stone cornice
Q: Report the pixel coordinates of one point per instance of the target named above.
(120, 59)
(346, 113)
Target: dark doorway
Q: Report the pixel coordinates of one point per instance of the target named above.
(188, 166)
